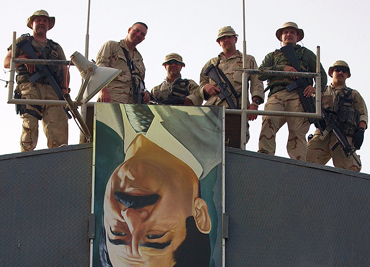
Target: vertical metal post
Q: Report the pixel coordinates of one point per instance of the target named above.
(244, 95)
(318, 82)
(83, 105)
(82, 137)
(87, 30)
(12, 69)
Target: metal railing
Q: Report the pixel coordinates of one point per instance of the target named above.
(243, 111)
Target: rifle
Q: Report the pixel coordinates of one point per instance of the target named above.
(212, 73)
(172, 100)
(42, 70)
(332, 124)
(301, 83)
(137, 91)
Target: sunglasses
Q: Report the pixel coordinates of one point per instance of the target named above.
(341, 69)
(173, 61)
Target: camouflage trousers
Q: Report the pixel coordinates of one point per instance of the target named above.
(54, 119)
(297, 126)
(319, 151)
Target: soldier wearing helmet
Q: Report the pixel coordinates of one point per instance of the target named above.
(350, 111)
(279, 99)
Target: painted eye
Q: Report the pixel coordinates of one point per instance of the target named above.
(116, 233)
(154, 236)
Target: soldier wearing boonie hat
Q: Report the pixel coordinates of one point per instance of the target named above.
(279, 99)
(175, 57)
(41, 13)
(226, 31)
(54, 118)
(230, 62)
(351, 114)
(174, 90)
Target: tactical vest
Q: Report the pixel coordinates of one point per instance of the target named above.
(50, 51)
(347, 116)
(178, 91)
(278, 83)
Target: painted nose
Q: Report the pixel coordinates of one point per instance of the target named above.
(135, 222)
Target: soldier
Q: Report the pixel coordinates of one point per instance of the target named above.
(54, 118)
(230, 62)
(175, 90)
(350, 111)
(279, 99)
(124, 56)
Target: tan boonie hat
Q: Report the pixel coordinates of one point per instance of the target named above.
(226, 31)
(39, 13)
(339, 63)
(173, 56)
(289, 25)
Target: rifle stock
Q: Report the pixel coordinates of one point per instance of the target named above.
(212, 73)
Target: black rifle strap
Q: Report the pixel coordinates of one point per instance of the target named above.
(222, 74)
(345, 97)
(130, 66)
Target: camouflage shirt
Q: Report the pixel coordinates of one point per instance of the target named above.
(48, 50)
(111, 55)
(232, 67)
(162, 91)
(329, 100)
(277, 61)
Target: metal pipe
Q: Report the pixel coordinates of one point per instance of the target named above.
(37, 102)
(73, 107)
(42, 61)
(318, 82)
(275, 113)
(244, 95)
(12, 69)
(87, 30)
(281, 73)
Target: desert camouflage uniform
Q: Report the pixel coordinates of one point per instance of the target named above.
(232, 69)
(319, 147)
(229, 66)
(280, 99)
(111, 55)
(54, 119)
(162, 91)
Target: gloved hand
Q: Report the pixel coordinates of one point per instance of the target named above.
(358, 138)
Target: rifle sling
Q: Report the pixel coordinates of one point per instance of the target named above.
(345, 97)
(130, 66)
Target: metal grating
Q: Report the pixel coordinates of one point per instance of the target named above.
(45, 204)
(281, 212)
(284, 212)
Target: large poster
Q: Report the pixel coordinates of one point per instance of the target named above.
(158, 185)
